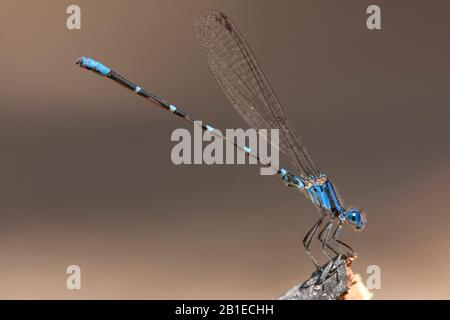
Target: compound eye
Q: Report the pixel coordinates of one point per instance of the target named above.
(354, 218)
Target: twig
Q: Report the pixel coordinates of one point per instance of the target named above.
(335, 282)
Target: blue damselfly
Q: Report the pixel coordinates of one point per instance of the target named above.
(239, 75)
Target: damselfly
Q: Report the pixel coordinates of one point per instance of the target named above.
(244, 83)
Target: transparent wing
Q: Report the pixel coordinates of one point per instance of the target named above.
(245, 85)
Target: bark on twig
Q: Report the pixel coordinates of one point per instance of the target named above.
(336, 282)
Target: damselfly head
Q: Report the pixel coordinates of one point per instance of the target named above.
(355, 218)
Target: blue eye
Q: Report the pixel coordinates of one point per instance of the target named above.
(354, 218)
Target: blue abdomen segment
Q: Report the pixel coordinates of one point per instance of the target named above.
(298, 182)
(93, 65)
(291, 180)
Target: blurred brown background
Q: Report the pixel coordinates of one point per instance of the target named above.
(86, 176)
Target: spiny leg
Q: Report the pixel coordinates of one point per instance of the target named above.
(333, 246)
(324, 236)
(349, 253)
(309, 237)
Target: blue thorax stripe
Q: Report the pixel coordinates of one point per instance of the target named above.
(336, 203)
(313, 196)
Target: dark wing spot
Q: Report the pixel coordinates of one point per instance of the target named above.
(226, 23)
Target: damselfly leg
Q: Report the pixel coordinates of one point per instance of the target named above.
(310, 236)
(339, 246)
(324, 236)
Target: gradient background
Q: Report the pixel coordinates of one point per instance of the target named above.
(86, 176)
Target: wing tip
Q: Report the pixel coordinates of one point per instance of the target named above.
(209, 15)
